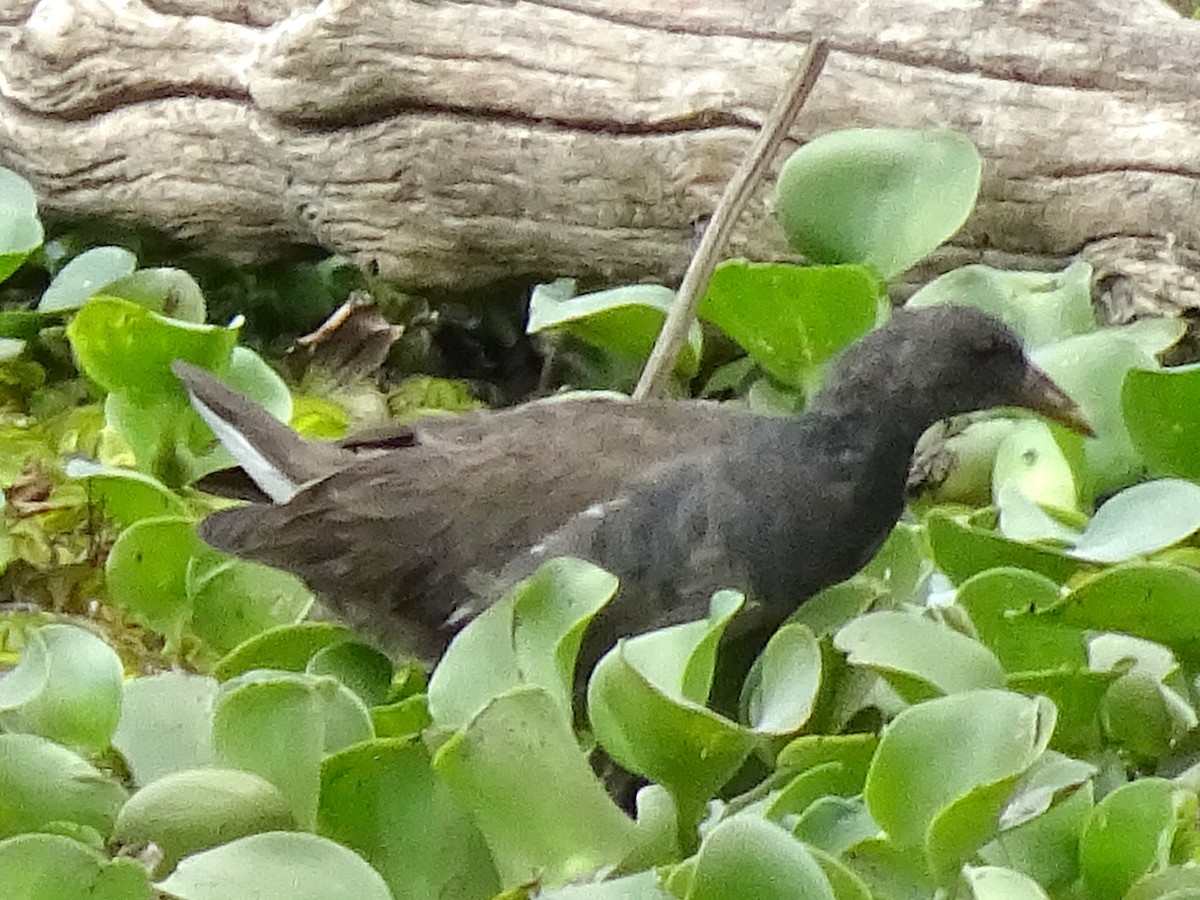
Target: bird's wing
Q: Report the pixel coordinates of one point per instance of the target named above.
(410, 534)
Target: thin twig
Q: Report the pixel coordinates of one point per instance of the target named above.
(737, 193)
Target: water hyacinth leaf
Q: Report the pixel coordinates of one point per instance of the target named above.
(917, 649)
(80, 700)
(28, 678)
(997, 883)
(642, 886)
(835, 824)
(1046, 848)
(902, 563)
(195, 809)
(166, 724)
(1022, 519)
(624, 321)
(171, 292)
(56, 867)
(845, 881)
(42, 782)
(970, 740)
(1141, 520)
(1156, 602)
(307, 716)
(790, 319)
(312, 867)
(645, 704)
(964, 825)
(1030, 458)
(533, 833)
(531, 636)
(128, 349)
(20, 229)
(829, 610)
(1177, 882)
(125, 495)
(287, 648)
(1124, 654)
(961, 550)
(1052, 775)
(233, 600)
(146, 571)
(363, 669)
(890, 870)
(749, 857)
(85, 276)
(881, 197)
(1003, 605)
(403, 718)
(1092, 369)
(1042, 307)
(1128, 835)
(383, 799)
(781, 695)
(1143, 716)
(1077, 695)
(1162, 411)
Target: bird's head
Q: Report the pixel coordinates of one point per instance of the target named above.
(927, 364)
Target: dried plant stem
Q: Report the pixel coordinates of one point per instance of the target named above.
(712, 244)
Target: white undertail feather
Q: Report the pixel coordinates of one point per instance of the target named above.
(270, 479)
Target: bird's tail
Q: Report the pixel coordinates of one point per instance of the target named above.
(274, 457)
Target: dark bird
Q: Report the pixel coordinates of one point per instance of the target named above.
(410, 535)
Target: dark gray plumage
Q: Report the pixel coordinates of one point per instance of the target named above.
(409, 536)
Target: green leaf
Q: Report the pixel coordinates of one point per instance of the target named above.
(1042, 307)
(835, 824)
(1092, 369)
(644, 703)
(1141, 520)
(996, 883)
(54, 867)
(125, 496)
(1162, 412)
(792, 320)
(79, 700)
(306, 716)
(965, 742)
(20, 229)
(311, 867)
(233, 600)
(642, 886)
(1029, 458)
(1046, 848)
(1153, 601)
(936, 658)
(42, 782)
(623, 321)
(780, 695)
(748, 857)
(882, 197)
(85, 276)
(192, 810)
(533, 833)
(531, 636)
(146, 571)
(1003, 605)
(166, 724)
(1128, 835)
(383, 799)
(961, 550)
(287, 648)
(363, 669)
(127, 349)
(171, 292)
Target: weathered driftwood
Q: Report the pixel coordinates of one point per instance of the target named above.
(449, 144)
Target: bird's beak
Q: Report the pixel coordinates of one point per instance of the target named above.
(1042, 395)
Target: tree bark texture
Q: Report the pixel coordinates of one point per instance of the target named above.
(451, 143)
